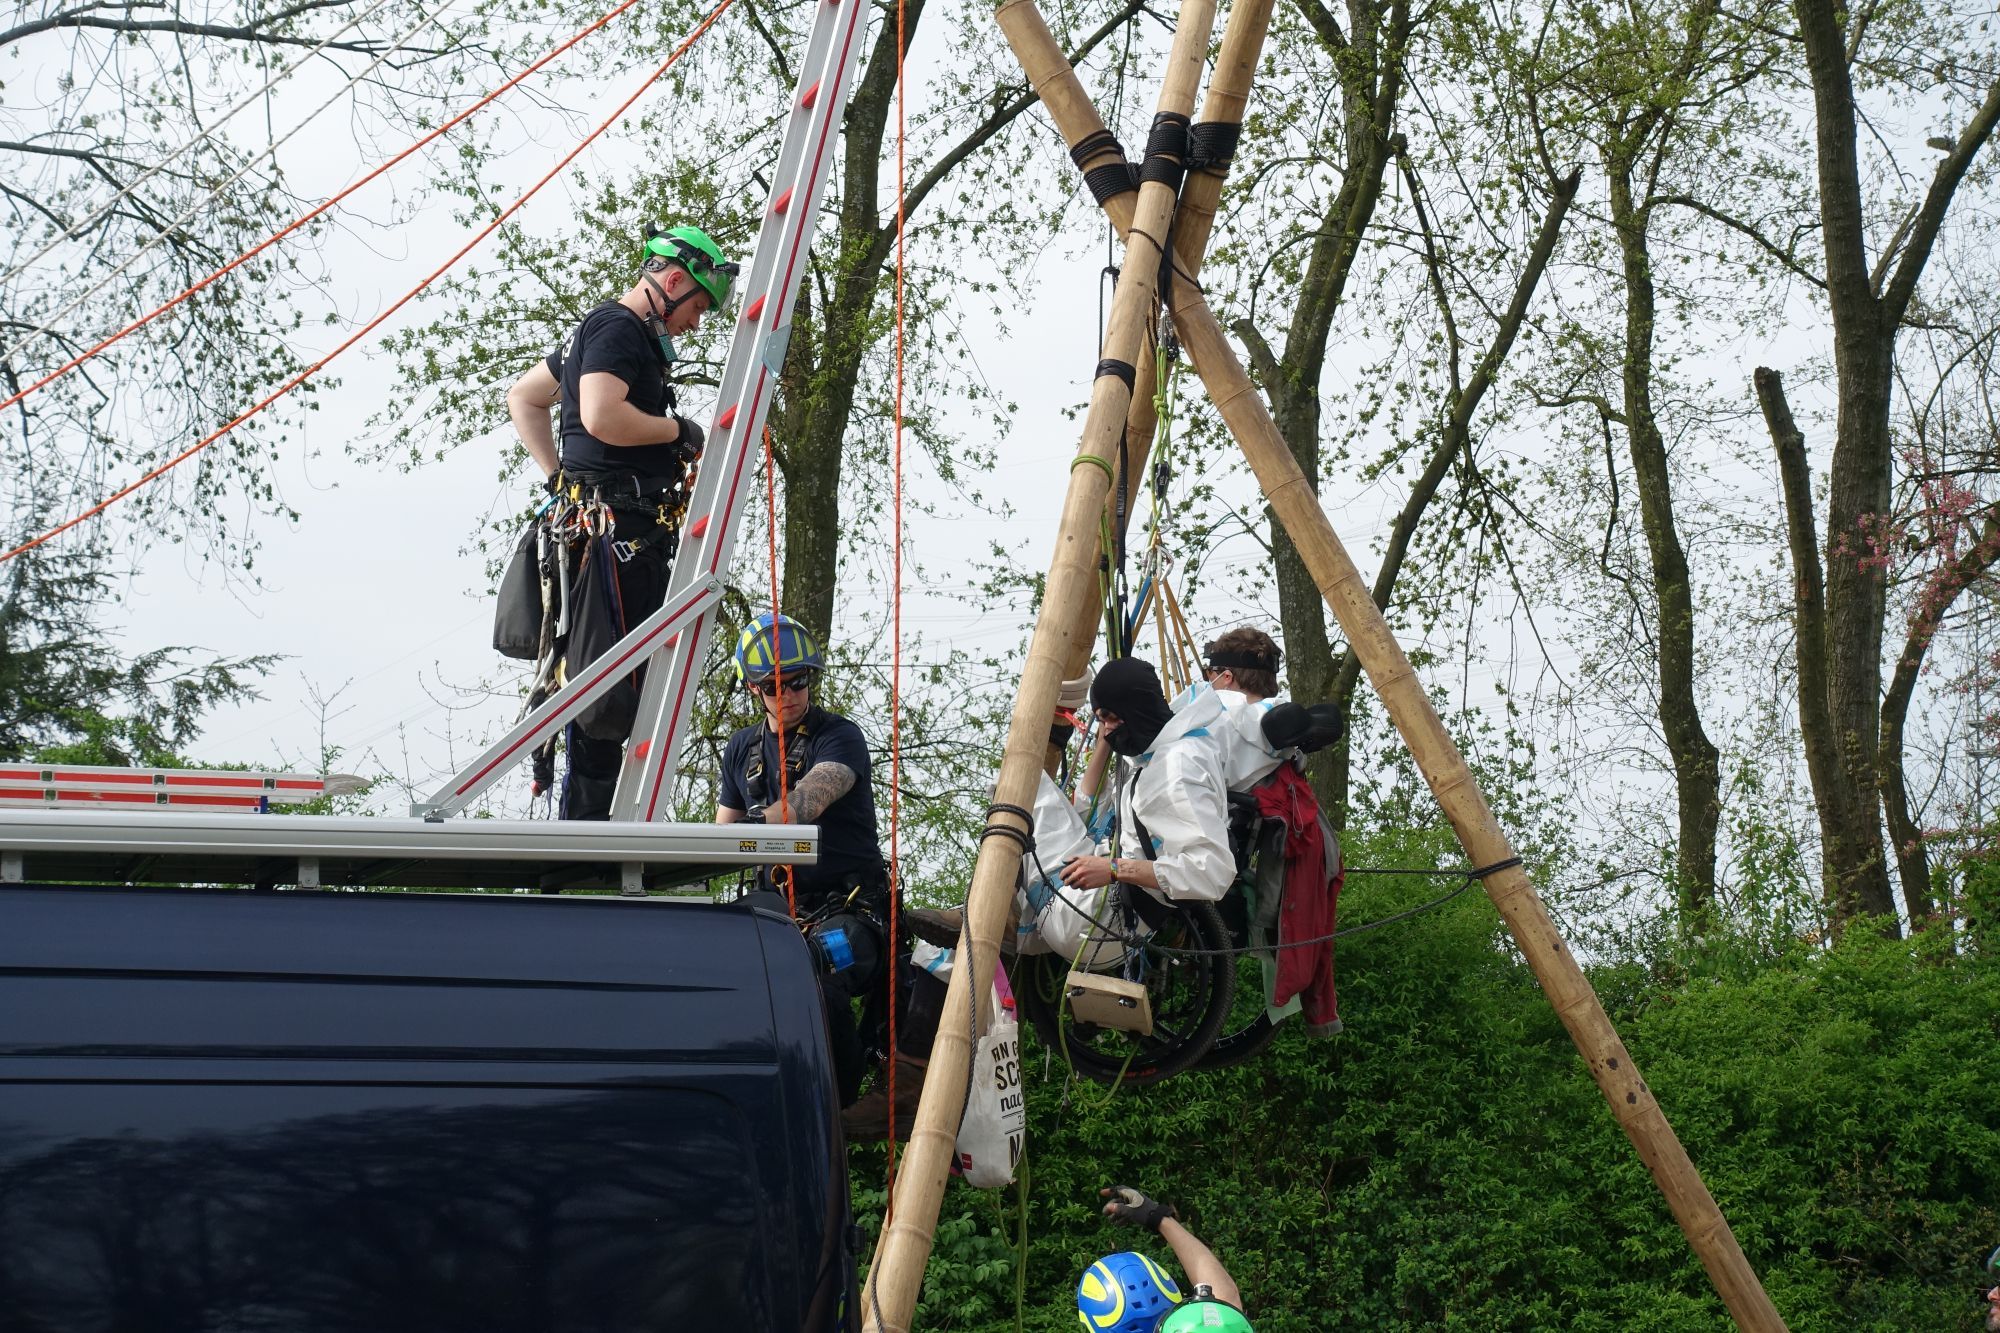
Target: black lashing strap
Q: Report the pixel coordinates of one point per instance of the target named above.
(1110, 180)
(1212, 145)
(1124, 370)
(1166, 151)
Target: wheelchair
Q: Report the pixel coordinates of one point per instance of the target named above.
(1204, 990)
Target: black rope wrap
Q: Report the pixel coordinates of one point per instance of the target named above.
(1212, 145)
(1166, 151)
(1090, 145)
(1124, 370)
(1107, 182)
(1493, 869)
(1025, 837)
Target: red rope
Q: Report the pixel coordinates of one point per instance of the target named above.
(896, 619)
(778, 657)
(301, 221)
(376, 322)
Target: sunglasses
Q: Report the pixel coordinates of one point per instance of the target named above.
(768, 688)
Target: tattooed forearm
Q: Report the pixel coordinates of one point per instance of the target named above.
(822, 785)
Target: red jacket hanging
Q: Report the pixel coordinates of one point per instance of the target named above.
(1311, 897)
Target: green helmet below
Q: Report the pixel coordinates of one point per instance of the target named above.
(1199, 1314)
(694, 250)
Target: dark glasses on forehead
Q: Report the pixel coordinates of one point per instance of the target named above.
(767, 688)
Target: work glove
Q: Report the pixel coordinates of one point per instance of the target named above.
(692, 437)
(552, 483)
(1130, 1206)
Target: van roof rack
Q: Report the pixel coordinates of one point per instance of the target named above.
(68, 844)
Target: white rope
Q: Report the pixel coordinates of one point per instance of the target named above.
(240, 172)
(174, 155)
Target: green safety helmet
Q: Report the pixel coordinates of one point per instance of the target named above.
(694, 250)
(1201, 1314)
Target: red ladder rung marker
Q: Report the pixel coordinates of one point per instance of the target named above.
(812, 95)
(699, 527)
(784, 202)
(727, 419)
(756, 309)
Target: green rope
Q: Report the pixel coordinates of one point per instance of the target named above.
(1021, 1241)
(1103, 464)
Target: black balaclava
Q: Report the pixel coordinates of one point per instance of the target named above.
(1129, 688)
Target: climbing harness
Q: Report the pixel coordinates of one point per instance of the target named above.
(577, 552)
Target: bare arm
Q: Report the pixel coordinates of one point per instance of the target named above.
(1092, 781)
(528, 404)
(726, 815)
(822, 785)
(609, 416)
(1199, 1262)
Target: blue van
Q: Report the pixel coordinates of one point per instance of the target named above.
(302, 1112)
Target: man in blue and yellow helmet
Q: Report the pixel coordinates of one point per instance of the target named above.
(843, 899)
(618, 460)
(1129, 1293)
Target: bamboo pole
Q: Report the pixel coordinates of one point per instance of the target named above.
(1228, 93)
(1444, 769)
(896, 1275)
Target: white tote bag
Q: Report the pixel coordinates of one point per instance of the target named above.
(994, 1131)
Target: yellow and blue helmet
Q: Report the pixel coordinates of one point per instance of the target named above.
(1125, 1293)
(770, 644)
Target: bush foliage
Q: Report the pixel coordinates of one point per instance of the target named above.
(1447, 1161)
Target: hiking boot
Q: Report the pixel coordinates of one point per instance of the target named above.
(868, 1118)
(941, 926)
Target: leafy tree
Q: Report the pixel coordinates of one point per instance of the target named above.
(67, 695)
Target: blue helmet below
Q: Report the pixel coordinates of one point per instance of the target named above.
(771, 644)
(1125, 1293)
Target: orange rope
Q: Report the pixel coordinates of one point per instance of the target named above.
(376, 322)
(896, 619)
(778, 657)
(301, 221)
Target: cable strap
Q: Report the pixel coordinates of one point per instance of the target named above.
(1124, 370)
(1166, 151)
(1212, 145)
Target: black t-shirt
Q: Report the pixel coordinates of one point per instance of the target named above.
(848, 843)
(613, 340)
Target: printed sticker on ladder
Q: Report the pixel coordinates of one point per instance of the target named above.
(994, 1132)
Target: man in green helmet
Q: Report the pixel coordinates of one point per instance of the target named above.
(618, 460)
(1213, 1300)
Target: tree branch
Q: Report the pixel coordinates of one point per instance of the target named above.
(1000, 119)
(1736, 224)
(1930, 218)
(252, 32)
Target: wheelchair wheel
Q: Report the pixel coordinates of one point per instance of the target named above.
(1247, 1028)
(1190, 996)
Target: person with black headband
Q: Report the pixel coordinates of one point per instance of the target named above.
(1259, 731)
(620, 453)
(1172, 830)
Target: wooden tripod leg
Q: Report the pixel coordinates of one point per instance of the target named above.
(905, 1245)
(1389, 670)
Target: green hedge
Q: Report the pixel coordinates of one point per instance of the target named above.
(1447, 1162)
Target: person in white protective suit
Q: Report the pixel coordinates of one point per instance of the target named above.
(1241, 669)
(1170, 835)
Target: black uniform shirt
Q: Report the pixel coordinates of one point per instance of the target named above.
(613, 340)
(848, 843)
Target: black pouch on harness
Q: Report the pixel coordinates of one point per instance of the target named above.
(517, 618)
(597, 622)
